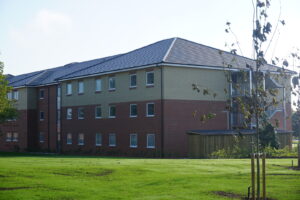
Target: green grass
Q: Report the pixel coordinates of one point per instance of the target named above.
(74, 177)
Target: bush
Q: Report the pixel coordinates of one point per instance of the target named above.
(281, 153)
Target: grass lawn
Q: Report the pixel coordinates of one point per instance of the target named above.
(74, 177)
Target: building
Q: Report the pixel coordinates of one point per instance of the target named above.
(139, 103)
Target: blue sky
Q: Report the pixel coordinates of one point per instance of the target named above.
(36, 35)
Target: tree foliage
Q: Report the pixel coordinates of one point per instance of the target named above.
(7, 111)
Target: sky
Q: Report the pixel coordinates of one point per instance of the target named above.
(36, 35)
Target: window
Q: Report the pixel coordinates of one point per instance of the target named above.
(133, 110)
(150, 78)
(112, 83)
(150, 141)
(69, 138)
(15, 137)
(133, 140)
(69, 113)
(150, 109)
(8, 137)
(9, 95)
(42, 137)
(132, 81)
(81, 139)
(80, 87)
(42, 93)
(112, 111)
(98, 139)
(80, 113)
(69, 88)
(98, 112)
(16, 95)
(98, 86)
(112, 140)
(42, 116)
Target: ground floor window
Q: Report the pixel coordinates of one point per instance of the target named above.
(150, 141)
(98, 139)
(69, 138)
(8, 137)
(15, 137)
(81, 139)
(42, 137)
(112, 140)
(133, 140)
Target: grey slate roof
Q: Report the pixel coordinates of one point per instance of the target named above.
(170, 51)
(229, 132)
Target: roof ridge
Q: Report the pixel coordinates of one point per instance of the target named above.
(170, 48)
(37, 76)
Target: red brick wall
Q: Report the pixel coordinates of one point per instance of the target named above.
(179, 118)
(122, 126)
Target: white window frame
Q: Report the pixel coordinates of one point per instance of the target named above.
(15, 137)
(42, 90)
(79, 141)
(80, 87)
(69, 139)
(109, 144)
(149, 84)
(98, 81)
(69, 111)
(148, 135)
(130, 85)
(133, 146)
(147, 111)
(109, 111)
(42, 119)
(9, 95)
(130, 110)
(113, 78)
(69, 89)
(78, 110)
(98, 117)
(16, 95)
(41, 137)
(98, 144)
(8, 137)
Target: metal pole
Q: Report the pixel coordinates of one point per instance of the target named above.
(253, 175)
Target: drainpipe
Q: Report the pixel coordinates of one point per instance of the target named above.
(48, 118)
(284, 109)
(162, 112)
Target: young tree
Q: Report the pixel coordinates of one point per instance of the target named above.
(7, 111)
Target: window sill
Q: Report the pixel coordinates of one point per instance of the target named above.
(150, 86)
(80, 144)
(80, 93)
(111, 117)
(150, 115)
(151, 147)
(98, 117)
(112, 90)
(132, 87)
(68, 94)
(98, 145)
(133, 146)
(133, 116)
(112, 145)
(69, 143)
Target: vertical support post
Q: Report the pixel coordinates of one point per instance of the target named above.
(253, 175)
(264, 175)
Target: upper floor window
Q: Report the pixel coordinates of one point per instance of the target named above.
(16, 95)
(112, 83)
(98, 139)
(69, 138)
(69, 113)
(41, 137)
(15, 137)
(132, 81)
(150, 141)
(69, 88)
(42, 93)
(81, 139)
(80, 113)
(133, 110)
(42, 116)
(98, 112)
(133, 140)
(80, 87)
(9, 95)
(112, 140)
(150, 78)
(8, 137)
(150, 109)
(112, 111)
(98, 85)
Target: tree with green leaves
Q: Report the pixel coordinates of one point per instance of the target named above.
(7, 110)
